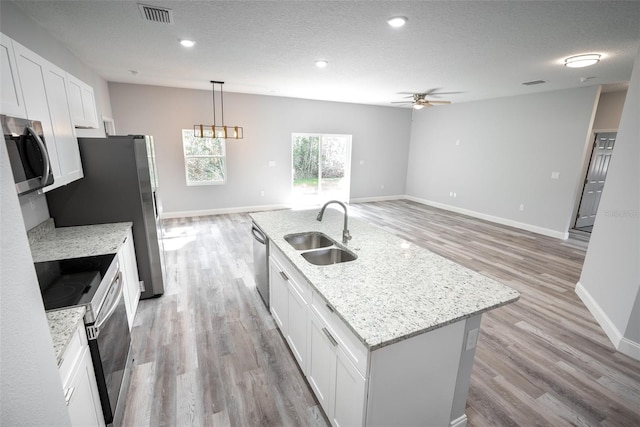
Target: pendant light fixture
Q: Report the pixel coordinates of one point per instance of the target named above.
(214, 130)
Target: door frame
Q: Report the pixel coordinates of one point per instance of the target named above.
(585, 170)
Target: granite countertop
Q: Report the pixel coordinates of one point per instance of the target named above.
(49, 243)
(394, 289)
(62, 325)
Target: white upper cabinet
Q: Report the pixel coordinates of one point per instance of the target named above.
(44, 88)
(11, 101)
(82, 103)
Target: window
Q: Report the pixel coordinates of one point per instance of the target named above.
(321, 168)
(204, 159)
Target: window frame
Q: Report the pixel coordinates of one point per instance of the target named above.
(186, 158)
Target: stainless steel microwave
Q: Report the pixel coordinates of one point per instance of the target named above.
(28, 154)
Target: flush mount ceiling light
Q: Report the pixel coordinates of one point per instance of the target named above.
(322, 63)
(580, 61)
(397, 21)
(215, 131)
(187, 43)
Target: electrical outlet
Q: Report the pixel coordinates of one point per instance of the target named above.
(521, 207)
(362, 162)
(454, 195)
(555, 175)
(457, 142)
(472, 339)
(382, 186)
(261, 193)
(450, 193)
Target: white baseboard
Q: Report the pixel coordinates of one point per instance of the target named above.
(498, 220)
(205, 212)
(622, 344)
(459, 422)
(377, 198)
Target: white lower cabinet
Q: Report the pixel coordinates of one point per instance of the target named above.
(129, 271)
(288, 301)
(325, 351)
(79, 382)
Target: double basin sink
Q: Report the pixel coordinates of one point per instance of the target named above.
(319, 249)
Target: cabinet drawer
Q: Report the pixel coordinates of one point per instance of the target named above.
(296, 280)
(72, 353)
(353, 348)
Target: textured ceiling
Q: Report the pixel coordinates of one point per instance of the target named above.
(482, 49)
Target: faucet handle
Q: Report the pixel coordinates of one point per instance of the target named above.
(346, 236)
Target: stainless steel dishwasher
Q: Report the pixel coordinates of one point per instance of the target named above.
(261, 262)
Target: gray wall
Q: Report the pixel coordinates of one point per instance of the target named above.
(611, 272)
(30, 387)
(380, 140)
(498, 154)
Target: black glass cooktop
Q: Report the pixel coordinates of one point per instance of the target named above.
(71, 282)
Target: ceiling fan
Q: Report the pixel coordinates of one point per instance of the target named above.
(420, 99)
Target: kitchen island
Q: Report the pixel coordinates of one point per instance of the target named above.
(404, 318)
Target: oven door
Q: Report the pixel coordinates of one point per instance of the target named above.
(109, 342)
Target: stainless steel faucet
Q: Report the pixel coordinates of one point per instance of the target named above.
(345, 232)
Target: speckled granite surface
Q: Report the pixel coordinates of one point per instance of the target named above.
(395, 289)
(62, 325)
(49, 243)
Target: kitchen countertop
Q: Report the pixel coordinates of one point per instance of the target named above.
(394, 289)
(62, 325)
(49, 243)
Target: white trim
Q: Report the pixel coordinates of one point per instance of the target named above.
(521, 225)
(459, 422)
(630, 348)
(378, 198)
(221, 211)
(622, 344)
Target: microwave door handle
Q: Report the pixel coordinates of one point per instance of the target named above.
(114, 305)
(45, 155)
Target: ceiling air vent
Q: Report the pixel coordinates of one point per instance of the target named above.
(156, 14)
(534, 82)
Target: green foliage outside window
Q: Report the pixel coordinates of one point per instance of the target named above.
(205, 159)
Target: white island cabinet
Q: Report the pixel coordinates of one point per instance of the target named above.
(385, 339)
(79, 382)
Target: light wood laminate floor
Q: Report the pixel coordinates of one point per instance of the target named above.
(208, 353)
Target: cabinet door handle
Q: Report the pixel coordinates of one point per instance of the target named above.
(330, 308)
(330, 337)
(284, 276)
(68, 394)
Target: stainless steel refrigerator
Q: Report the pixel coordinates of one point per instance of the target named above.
(120, 184)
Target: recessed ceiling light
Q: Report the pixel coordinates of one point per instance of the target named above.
(187, 43)
(580, 61)
(321, 63)
(397, 21)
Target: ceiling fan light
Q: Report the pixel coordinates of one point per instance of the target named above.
(397, 21)
(418, 106)
(580, 61)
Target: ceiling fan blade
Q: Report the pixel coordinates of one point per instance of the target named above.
(438, 102)
(402, 102)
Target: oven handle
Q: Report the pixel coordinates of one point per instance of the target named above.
(116, 301)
